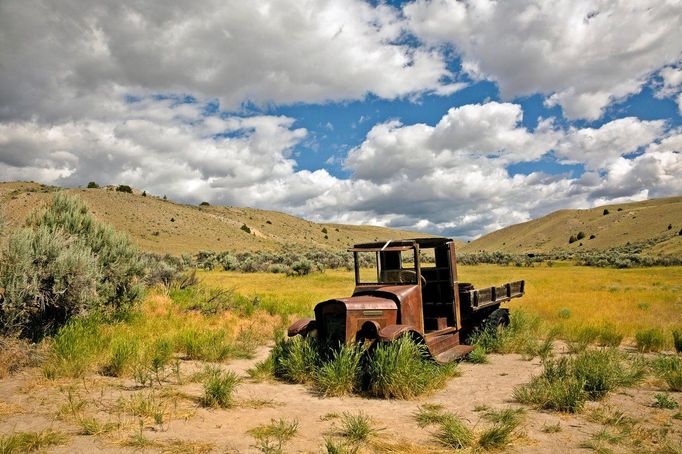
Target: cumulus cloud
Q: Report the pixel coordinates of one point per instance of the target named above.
(65, 58)
(582, 54)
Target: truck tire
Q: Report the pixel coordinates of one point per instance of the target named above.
(498, 317)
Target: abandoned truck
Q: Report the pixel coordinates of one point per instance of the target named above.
(410, 288)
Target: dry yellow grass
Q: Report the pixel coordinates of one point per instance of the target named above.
(630, 299)
(635, 222)
(171, 228)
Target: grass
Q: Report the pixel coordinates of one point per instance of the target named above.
(399, 370)
(296, 360)
(665, 401)
(477, 355)
(566, 384)
(20, 442)
(650, 340)
(677, 340)
(341, 374)
(551, 428)
(271, 438)
(669, 369)
(505, 422)
(219, 387)
(453, 433)
(357, 427)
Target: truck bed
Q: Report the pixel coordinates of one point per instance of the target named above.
(481, 298)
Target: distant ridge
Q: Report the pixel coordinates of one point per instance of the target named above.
(162, 226)
(634, 222)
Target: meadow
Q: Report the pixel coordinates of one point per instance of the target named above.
(564, 296)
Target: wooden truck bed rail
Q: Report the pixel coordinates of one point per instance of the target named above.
(485, 297)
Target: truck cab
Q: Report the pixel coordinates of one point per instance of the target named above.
(407, 288)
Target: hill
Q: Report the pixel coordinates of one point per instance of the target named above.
(655, 220)
(163, 226)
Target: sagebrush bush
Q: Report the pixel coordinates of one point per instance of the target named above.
(65, 264)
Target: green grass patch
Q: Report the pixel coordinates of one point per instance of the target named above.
(341, 374)
(20, 442)
(669, 369)
(665, 401)
(219, 388)
(357, 427)
(271, 438)
(650, 340)
(75, 349)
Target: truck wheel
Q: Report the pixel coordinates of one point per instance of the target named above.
(499, 317)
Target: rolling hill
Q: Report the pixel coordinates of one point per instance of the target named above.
(163, 226)
(659, 220)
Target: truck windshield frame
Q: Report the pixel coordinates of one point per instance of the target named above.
(395, 275)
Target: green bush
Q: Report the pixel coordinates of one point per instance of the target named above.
(65, 264)
(650, 340)
(92, 185)
(124, 188)
(246, 228)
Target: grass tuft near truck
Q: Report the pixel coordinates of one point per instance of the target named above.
(409, 288)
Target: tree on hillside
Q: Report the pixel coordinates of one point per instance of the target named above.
(65, 264)
(124, 188)
(92, 185)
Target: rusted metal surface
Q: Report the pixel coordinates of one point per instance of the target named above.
(433, 307)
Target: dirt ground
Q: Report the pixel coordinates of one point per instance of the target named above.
(30, 403)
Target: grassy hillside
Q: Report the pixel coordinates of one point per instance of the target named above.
(625, 223)
(166, 227)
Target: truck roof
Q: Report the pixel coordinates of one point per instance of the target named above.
(428, 242)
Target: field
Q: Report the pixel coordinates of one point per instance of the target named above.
(182, 375)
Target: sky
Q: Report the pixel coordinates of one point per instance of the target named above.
(448, 117)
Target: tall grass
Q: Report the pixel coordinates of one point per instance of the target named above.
(219, 388)
(567, 383)
(650, 340)
(401, 370)
(75, 348)
(296, 360)
(20, 442)
(341, 374)
(669, 369)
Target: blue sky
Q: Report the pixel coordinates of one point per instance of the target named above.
(450, 117)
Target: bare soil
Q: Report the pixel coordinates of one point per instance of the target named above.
(29, 402)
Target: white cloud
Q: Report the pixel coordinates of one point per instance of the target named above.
(582, 54)
(70, 58)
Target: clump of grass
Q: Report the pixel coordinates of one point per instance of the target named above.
(74, 349)
(400, 370)
(123, 352)
(580, 339)
(209, 346)
(565, 313)
(146, 406)
(664, 401)
(520, 336)
(92, 426)
(357, 427)
(152, 364)
(669, 369)
(650, 340)
(677, 340)
(477, 355)
(609, 336)
(429, 414)
(340, 375)
(296, 360)
(551, 428)
(566, 384)
(271, 438)
(453, 433)
(505, 422)
(20, 442)
(262, 370)
(219, 387)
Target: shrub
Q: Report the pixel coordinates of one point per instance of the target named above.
(219, 387)
(580, 235)
(593, 236)
(324, 230)
(400, 370)
(245, 228)
(301, 268)
(144, 193)
(92, 185)
(572, 239)
(340, 375)
(650, 340)
(670, 226)
(124, 188)
(65, 264)
(565, 313)
(204, 204)
(605, 212)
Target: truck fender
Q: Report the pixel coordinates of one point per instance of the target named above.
(301, 327)
(393, 332)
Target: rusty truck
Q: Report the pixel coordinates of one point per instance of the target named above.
(410, 288)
